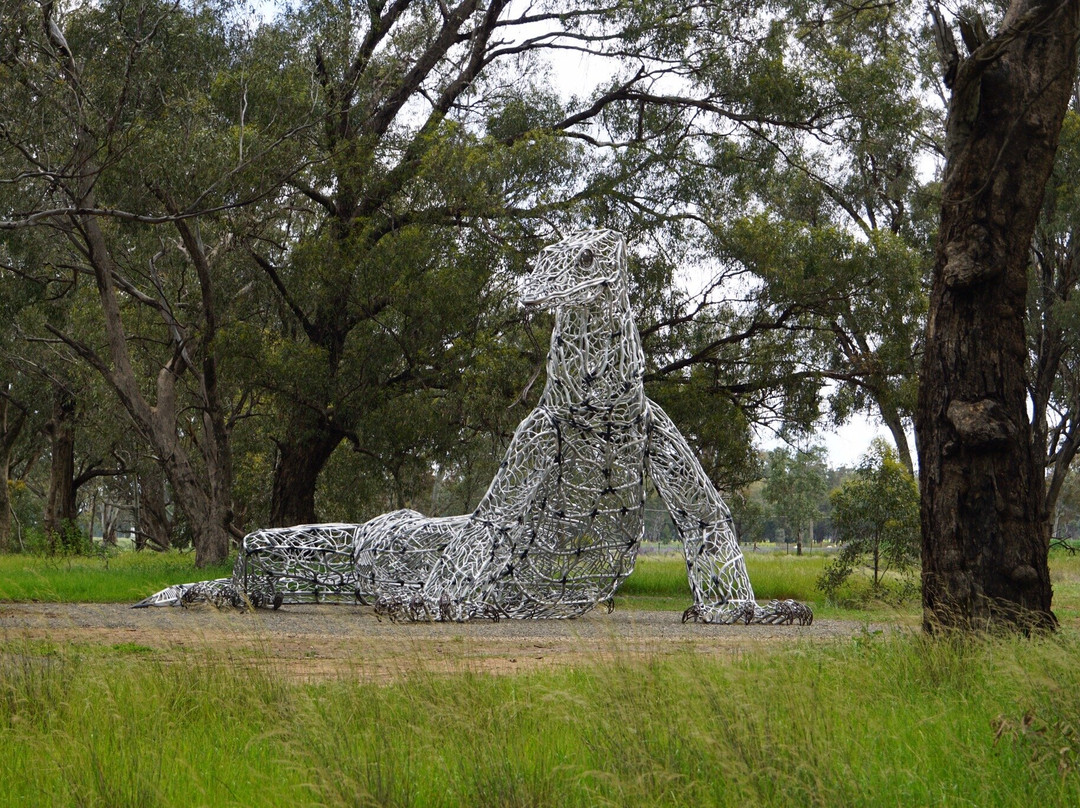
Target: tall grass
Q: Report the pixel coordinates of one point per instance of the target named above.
(900, 720)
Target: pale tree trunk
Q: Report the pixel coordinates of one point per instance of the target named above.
(200, 492)
(895, 424)
(93, 514)
(109, 514)
(207, 514)
(985, 535)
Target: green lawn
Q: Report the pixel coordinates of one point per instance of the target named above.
(117, 578)
(658, 581)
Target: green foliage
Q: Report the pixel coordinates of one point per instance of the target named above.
(876, 514)
(748, 514)
(366, 211)
(795, 486)
(1053, 318)
(70, 540)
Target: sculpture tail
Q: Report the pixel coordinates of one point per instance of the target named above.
(183, 594)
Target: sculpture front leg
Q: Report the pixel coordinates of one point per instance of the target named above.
(714, 563)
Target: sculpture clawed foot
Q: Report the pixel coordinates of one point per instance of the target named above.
(778, 612)
(493, 612)
(786, 612)
(692, 613)
(218, 594)
(419, 609)
(389, 606)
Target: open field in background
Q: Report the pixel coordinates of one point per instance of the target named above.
(121, 577)
(658, 582)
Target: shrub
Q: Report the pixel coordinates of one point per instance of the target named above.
(70, 540)
(876, 515)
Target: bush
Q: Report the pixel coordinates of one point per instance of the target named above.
(70, 540)
(876, 514)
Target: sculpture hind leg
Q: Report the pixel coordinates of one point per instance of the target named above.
(714, 563)
(397, 560)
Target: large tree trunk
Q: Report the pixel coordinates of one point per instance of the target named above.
(199, 492)
(204, 504)
(984, 528)
(296, 473)
(60, 507)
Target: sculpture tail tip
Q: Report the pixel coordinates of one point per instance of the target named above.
(169, 596)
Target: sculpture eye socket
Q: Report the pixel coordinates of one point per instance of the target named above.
(585, 260)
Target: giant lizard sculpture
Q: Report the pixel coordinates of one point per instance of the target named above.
(560, 525)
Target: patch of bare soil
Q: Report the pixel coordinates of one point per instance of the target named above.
(319, 642)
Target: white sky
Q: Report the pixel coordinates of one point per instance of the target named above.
(848, 443)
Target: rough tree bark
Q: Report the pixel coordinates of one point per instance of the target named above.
(12, 419)
(985, 535)
(155, 527)
(60, 507)
(300, 459)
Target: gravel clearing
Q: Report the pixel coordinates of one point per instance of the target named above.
(318, 642)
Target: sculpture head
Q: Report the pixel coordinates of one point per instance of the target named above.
(577, 270)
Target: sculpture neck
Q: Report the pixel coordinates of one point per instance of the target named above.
(596, 353)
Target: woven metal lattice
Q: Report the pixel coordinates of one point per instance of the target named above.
(559, 528)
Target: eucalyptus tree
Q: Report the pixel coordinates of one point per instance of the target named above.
(829, 223)
(121, 169)
(12, 418)
(795, 487)
(985, 533)
(441, 157)
(16, 409)
(876, 515)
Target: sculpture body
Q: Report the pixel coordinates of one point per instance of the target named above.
(560, 525)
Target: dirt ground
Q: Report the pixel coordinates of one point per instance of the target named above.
(318, 642)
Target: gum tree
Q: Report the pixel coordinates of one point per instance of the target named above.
(985, 531)
(876, 515)
(795, 486)
(119, 183)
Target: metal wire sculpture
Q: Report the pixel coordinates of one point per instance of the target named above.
(560, 526)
